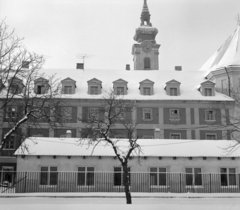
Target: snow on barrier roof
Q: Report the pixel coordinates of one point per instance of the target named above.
(150, 147)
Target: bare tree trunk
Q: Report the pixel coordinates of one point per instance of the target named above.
(126, 182)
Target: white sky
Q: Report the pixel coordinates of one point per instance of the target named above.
(190, 31)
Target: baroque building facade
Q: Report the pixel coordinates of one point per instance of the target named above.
(168, 104)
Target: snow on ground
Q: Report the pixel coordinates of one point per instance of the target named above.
(29, 203)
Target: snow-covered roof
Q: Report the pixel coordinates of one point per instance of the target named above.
(150, 147)
(190, 81)
(227, 55)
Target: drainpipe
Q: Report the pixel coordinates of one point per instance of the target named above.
(229, 85)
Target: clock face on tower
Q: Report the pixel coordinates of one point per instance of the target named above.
(147, 48)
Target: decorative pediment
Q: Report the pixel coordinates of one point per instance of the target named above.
(146, 81)
(94, 80)
(208, 83)
(68, 79)
(120, 81)
(40, 79)
(173, 81)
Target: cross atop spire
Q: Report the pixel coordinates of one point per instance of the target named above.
(238, 20)
(145, 16)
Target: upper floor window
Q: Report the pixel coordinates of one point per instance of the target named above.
(158, 176)
(49, 175)
(228, 177)
(173, 91)
(147, 114)
(85, 176)
(93, 113)
(120, 113)
(118, 176)
(209, 115)
(174, 114)
(147, 63)
(193, 176)
(10, 142)
(147, 91)
(11, 112)
(120, 90)
(94, 90)
(208, 91)
(41, 85)
(66, 112)
(40, 89)
(68, 90)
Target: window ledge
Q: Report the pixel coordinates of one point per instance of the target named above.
(174, 120)
(230, 186)
(147, 119)
(50, 186)
(160, 186)
(194, 186)
(8, 149)
(210, 121)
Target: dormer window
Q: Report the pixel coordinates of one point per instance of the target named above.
(207, 88)
(68, 90)
(41, 85)
(68, 86)
(94, 86)
(15, 85)
(94, 90)
(120, 87)
(146, 87)
(120, 90)
(173, 88)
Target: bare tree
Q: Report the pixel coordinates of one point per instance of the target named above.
(99, 129)
(28, 98)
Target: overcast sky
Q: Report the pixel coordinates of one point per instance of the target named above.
(190, 31)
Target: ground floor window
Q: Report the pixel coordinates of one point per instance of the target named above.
(85, 176)
(194, 176)
(158, 176)
(7, 176)
(118, 176)
(49, 175)
(228, 176)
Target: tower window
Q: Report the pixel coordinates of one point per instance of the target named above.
(147, 63)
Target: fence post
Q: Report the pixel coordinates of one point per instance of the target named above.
(210, 183)
(180, 182)
(25, 182)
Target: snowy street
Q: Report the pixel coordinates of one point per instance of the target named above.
(29, 203)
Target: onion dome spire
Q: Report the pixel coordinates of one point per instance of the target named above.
(145, 15)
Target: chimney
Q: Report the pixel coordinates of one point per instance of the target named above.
(127, 67)
(80, 65)
(178, 68)
(68, 134)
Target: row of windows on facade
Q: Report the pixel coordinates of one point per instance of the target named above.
(158, 176)
(93, 113)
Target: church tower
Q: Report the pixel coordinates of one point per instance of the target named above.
(145, 52)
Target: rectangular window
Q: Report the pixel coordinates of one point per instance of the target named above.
(11, 112)
(173, 91)
(48, 175)
(147, 91)
(158, 176)
(174, 114)
(93, 113)
(66, 112)
(94, 90)
(40, 89)
(193, 176)
(175, 136)
(68, 90)
(120, 113)
(208, 91)
(209, 115)
(120, 90)
(118, 176)
(147, 114)
(85, 176)
(10, 142)
(211, 136)
(228, 177)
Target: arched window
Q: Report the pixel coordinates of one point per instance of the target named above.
(147, 63)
